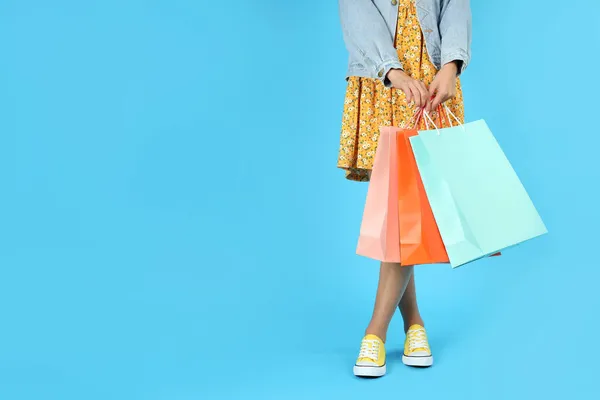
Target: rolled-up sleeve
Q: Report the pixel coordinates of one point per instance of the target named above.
(455, 30)
(367, 37)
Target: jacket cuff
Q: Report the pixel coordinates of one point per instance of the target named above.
(384, 68)
(456, 56)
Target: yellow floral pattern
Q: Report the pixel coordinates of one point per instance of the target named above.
(369, 104)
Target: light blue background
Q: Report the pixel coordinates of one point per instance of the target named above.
(173, 226)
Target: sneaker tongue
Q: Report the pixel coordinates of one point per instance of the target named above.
(415, 327)
(372, 337)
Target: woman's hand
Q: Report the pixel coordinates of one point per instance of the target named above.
(415, 90)
(443, 86)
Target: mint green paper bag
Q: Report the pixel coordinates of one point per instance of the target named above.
(477, 199)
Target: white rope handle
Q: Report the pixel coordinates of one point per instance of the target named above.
(426, 114)
(448, 112)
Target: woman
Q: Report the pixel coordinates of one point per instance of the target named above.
(405, 55)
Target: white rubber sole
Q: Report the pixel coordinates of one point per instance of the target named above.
(369, 372)
(417, 361)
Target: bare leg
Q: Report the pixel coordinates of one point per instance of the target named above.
(408, 305)
(393, 280)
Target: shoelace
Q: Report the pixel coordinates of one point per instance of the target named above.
(369, 349)
(417, 339)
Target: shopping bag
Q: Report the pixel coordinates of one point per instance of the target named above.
(479, 203)
(420, 240)
(379, 231)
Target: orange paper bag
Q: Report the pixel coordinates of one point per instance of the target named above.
(420, 240)
(379, 231)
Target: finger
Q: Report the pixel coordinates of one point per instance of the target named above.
(429, 106)
(414, 87)
(423, 92)
(439, 98)
(415, 97)
(427, 96)
(433, 89)
(408, 94)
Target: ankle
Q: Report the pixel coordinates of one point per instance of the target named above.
(413, 321)
(377, 331)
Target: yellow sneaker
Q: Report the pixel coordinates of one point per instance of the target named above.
(371, 360)
(416, 348)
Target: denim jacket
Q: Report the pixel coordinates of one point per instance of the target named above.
(369, 27)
